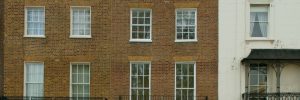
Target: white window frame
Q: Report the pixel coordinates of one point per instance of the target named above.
(25, 22)
(270, 30)
(71, 22)
(268, 27)
(140, 40)
(71, 63)
(195, 75)
(140, 62)
(196, 17)
(25, 72)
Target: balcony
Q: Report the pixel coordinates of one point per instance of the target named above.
(271, 96)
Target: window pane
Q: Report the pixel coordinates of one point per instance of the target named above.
(134, 28)
(146, 94)
(140, 94)
(80, 68)
(134, 13)
(140, 81)
(74, 89)
(80, 88)
(178, 69)
(134, 81)
(141, 13)
(185, 82)
(146, 81)
(147, 21)
(185, 35)
(134, 35)
(134, 95)
(134, 69)
(191, 82)
(87, 89)
(191, 69)
(191, 93)
(140, 20)
(178, 94)
(134, 20)
(140, 35)
(253, 79)
(147, 14)
(179, 36)
(140, 69)
(147, 35)
(262, 70)
(179, 81)
(74, 78)
(86, 69)
(146, 69)
(262, 79)
(86, 78)
(253, 69)
(80, 78)
(184, 93)
(185, 69)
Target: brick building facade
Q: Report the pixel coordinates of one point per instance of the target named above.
(109, 51)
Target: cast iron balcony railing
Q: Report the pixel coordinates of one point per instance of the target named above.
(50, 98)
(160, 97)
(271, 96)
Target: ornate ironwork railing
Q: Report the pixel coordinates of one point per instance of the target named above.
(271, 96)
(160, 97)
(50, 98)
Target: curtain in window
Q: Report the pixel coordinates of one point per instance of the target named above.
(259, 21)
(34, 79)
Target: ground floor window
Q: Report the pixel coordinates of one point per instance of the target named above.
(80, 76)
(258, 78)
(34, 79)
(140, 80)
(185, 81)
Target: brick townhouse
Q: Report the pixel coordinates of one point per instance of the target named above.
(109, 48)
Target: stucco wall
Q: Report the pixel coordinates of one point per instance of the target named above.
(235, 44)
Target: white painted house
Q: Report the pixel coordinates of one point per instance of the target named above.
(259, 50)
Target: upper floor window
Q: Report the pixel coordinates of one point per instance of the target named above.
(140, 25)
(34, 22)
(186, 25)
(81, 22)
(259, 20)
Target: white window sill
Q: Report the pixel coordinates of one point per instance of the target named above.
(260, 39)
(140, 40)
(186, 40)
(35, 36)
(76, 36)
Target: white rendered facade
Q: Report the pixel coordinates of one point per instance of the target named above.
(235, 43)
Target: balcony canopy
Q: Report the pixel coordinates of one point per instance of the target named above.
(277, 55)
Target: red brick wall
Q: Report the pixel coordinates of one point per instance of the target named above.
(109, 49)
(163, 51)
